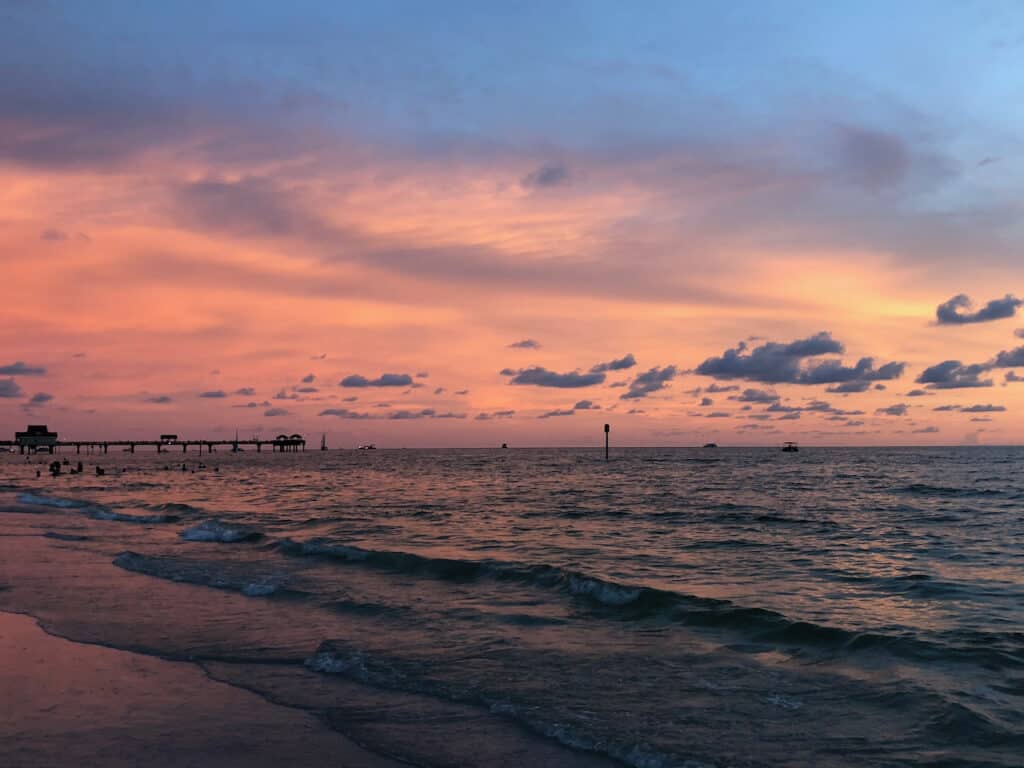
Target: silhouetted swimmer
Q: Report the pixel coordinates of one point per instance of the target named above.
(80, 467)
(38, 473)
(55, 468)
(100, 471)
(184, 468)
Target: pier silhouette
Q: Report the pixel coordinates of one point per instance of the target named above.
(37, 438)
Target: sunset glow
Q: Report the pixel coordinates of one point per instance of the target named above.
(211, 217)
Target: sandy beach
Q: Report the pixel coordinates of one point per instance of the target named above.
(67, 703)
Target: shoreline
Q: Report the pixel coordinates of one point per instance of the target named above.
(75, 703)
(93, 681)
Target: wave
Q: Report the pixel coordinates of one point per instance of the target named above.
(926, 489)
(215, 530)
(40, 500)
(64, 536)
(234, 577)
(91, 509)
(337, 659)
(635, 602)
(101, 513)
(175, 507)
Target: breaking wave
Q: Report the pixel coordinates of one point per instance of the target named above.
(633, 602)
(236, 577)
(215, 530)
(40, 500)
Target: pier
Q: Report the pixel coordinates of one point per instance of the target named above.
(38, 439)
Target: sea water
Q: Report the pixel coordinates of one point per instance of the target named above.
(669, 607)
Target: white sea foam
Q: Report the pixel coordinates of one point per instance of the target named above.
(602, 591)
(215, 530)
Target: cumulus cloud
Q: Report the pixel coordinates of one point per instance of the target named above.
(384, 380)
(988, 408)
(525, 344)
(919, 393)
(1013, 358)
(756, 396)
(344, 413)
(850, 387)
(586, 405)
(39, 398)
(214, 394)
(264, 404)
(20, 369)
(9, 388)
(652, 381)
(159, 399)
(706, 401)
(245, 391)
(400, 415)
(306, 390)
(779, 363)
(952, 374)
(425, 413)
(950, 312)
(309, 378)
(272, 412)
(542, 377)
(715, 387)
(1019, 333)
(550, 414)
(615, 365)
(494, 415)
(900, 409)
(550, 174)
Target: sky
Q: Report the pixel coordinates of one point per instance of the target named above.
(467, 224)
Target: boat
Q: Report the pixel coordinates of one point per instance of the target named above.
(710, 445)
(790, 447)
(366, 447)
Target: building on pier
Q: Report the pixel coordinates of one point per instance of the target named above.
(36, 437)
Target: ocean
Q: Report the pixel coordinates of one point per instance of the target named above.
(669, 607)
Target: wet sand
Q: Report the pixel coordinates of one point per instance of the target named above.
(66, 703)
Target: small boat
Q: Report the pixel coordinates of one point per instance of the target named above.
(710, 445)
(367, 447)
(790, 447)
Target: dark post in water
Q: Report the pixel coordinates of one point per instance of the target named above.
(607, 429)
